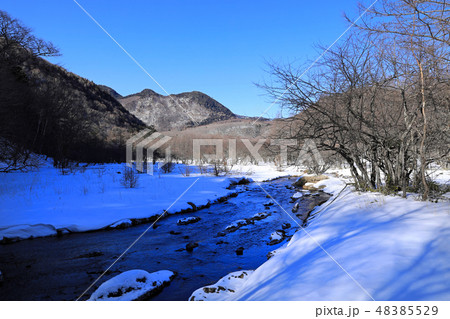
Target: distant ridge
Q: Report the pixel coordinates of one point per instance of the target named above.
(175, 111)
(110, 91)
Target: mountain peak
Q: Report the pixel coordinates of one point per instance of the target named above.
(147, 92)
(110, 91)
(175, 111)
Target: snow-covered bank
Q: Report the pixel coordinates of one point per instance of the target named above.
(380, 247)
(46, 203)
(132, 285)
(222, 289)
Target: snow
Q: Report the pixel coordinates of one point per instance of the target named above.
(131, 285)
(440, 176)
(122, 223)
(28, 231)
(237, 224)
(41, 203)
(267, 172)
(222, 289)
(45, 202)
(261, 215)
(276, 236)
(297, 195)
(393, 248)
(188, 220)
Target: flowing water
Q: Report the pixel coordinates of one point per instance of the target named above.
(61, 268)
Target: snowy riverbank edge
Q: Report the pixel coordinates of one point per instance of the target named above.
(46, 203)
(362, 246)
(25, 231)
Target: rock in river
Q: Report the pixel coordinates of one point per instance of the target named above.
(133, 285)
(188, 220)
(190, 247)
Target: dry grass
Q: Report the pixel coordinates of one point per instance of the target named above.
(309, 179)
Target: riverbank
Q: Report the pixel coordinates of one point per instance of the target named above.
(362, 246)
(48, 203)
(62, 268)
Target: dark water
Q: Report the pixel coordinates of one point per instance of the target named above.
(52, 269)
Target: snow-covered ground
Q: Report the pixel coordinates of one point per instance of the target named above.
(223, 289)
(45, 202)
(360, 246)
(440, 176)
(132, 285)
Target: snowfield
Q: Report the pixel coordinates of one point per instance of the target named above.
(380, 247)
(132, 285)
(47, 203)
(358, 246)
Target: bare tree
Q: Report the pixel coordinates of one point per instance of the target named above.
(17, 45)
(425, 20)
(363, 102)
(130, 178)
(62, 126)
(422, 29)
(15, 37)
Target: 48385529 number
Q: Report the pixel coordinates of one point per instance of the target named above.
(407, 310)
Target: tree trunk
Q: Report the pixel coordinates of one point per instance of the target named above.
(423, 163)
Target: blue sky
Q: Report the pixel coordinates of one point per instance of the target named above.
(217, 47)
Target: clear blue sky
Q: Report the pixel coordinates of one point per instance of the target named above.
(217, 47)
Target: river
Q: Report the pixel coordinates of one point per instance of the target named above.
(61, 268)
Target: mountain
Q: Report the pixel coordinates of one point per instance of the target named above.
(175, 111)
(110, 91)
(54, 112)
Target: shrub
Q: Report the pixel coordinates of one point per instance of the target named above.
(168, 167)
(185, 170)
(203, 169)
(220, 167)
(129, 178)
(100, 171)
